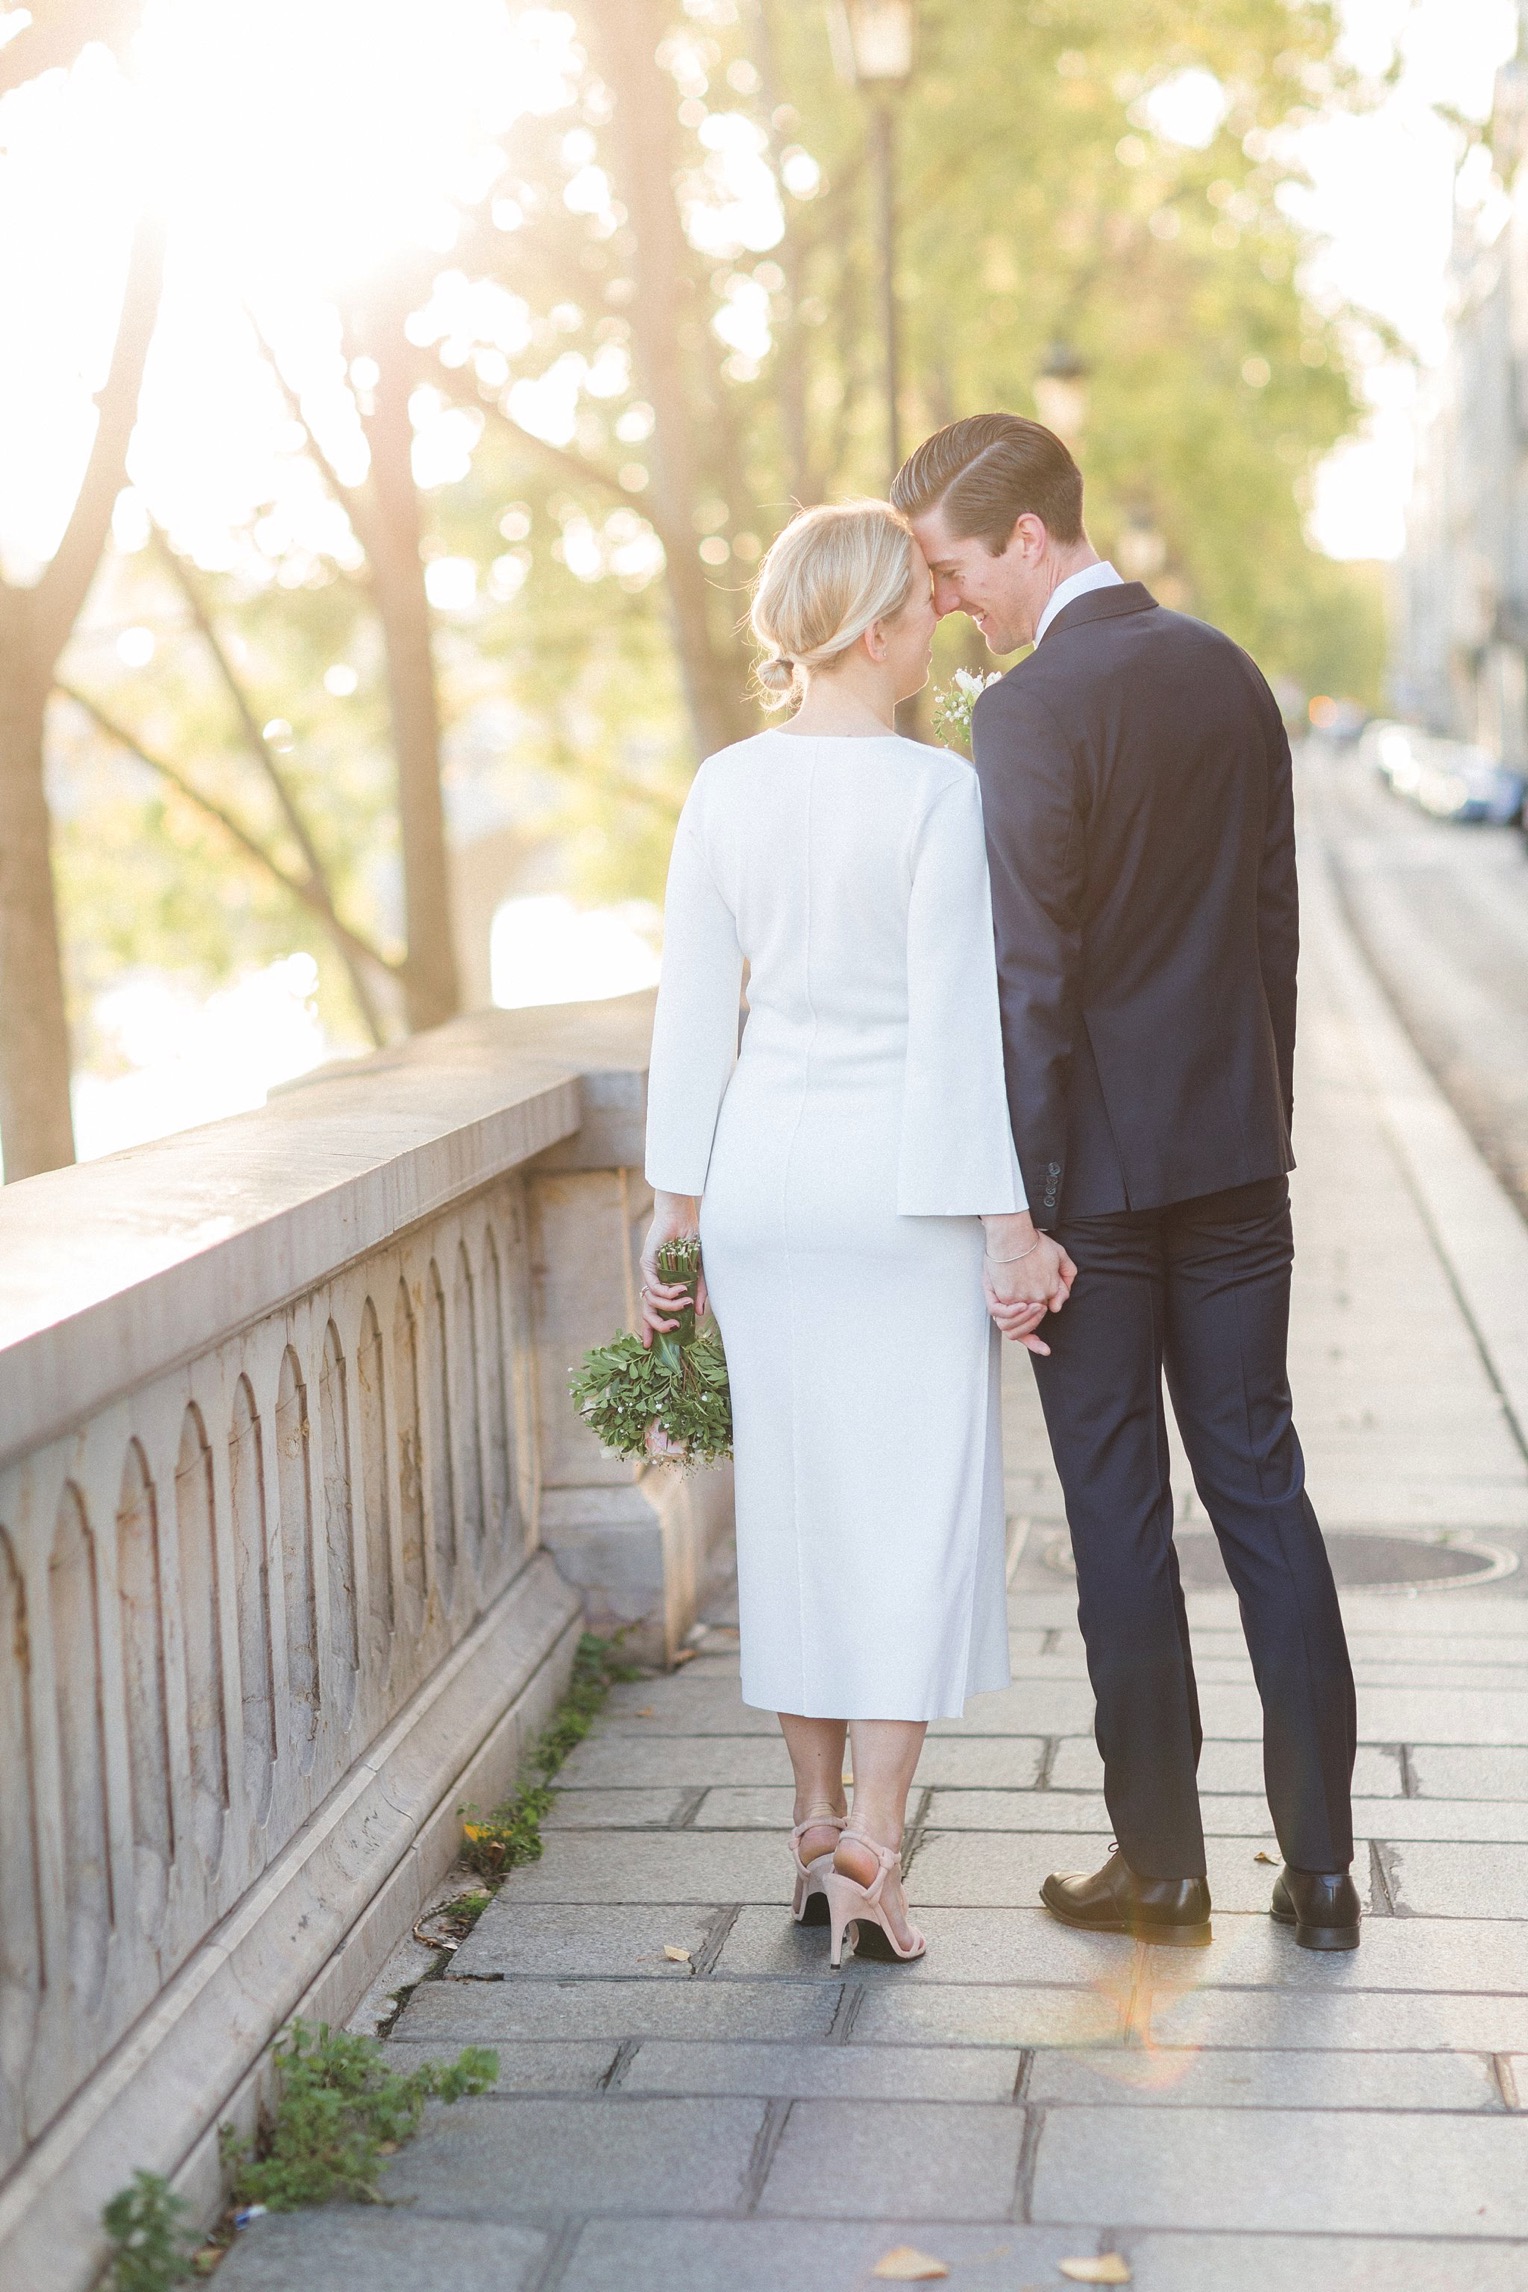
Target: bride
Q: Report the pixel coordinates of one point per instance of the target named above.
(852, 1176)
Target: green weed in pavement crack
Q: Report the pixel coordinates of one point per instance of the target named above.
(510, 1833)
(340, 2112)
(151, 2250)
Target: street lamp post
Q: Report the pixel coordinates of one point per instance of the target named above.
(1061, 393)
(873, 50)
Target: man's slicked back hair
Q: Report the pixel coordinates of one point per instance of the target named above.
(988, 471)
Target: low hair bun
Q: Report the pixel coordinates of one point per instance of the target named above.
(825, 578)
(777, 676)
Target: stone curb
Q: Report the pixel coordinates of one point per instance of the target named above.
(1479, 1236)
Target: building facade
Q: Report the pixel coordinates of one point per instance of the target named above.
(1460, 663)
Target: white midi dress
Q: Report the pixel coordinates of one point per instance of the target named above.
(843, 1155)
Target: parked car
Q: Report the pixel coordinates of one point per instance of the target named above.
(1450, 779)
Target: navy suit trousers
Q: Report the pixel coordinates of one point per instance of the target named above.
(1198, 1290)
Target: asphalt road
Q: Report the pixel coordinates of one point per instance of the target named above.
(1442, 911)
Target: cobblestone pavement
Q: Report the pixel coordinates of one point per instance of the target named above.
(1256, 2117)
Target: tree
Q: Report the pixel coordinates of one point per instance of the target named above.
(1074, 200)
(36, 1125)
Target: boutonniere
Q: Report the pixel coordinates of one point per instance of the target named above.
(954, 702)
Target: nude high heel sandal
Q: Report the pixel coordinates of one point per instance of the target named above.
(809, 1902)
(850, 1904)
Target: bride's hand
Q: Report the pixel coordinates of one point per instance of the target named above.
(661, 1302)
(1022, 1285)
(1018, 1323)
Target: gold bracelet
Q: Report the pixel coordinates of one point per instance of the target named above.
(1023, 1253)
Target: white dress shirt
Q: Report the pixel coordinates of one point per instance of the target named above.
(1101, 576)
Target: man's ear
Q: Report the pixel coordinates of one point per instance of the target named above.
(1028, 534)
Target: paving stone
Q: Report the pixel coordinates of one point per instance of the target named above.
(1162, 2262)
(371, 2248)
(1075, 1812)
(683, 1707)
(547, 2065)
(1441, 1715)
(1505, 1676)
(1343, 2172)
(1477, 1616)
(1481, 1820)
(651, 1866)
(1008, 1762)
(1402, 2021)
(1459, 1954)
(614, 1810)
(963, 1946)
(951, 2161)
(657, 1762)
(1033, 1707)
(495, 2013)
(1460, 1881)
(737, 1809)
(802, 2255)
(499, 2159)
(1449, 1771)
(873, 2072)
(1166, 2077)
(1028, 1639)
(514, 1939)
(979, 2014)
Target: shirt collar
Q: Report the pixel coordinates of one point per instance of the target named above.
(1077, 585)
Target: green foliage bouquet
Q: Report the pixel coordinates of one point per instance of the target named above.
(667, 1403)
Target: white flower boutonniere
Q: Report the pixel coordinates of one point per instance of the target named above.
(953, 703)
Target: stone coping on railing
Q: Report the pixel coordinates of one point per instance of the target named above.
(113, 1271)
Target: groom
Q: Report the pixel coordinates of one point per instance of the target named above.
(1135, 779)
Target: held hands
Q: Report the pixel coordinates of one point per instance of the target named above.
(1025, 1275)
(659, 1305)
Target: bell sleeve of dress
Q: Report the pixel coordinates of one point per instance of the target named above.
(695, 1031)
(957, 1154)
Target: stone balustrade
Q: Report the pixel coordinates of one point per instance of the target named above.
(297, 1535)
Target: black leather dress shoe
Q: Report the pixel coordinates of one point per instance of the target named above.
(1115, 1901)
(1322, 1906)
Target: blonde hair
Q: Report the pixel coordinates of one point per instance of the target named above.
(825, 578)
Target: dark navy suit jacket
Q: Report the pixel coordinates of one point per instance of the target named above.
(1135, 779)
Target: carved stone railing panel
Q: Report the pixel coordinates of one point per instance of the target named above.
(234, 1559)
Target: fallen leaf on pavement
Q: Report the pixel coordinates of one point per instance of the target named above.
(1261, 1857)
(646, 1711)
(672, 1950)
(905, 2264)
(1104, 2268)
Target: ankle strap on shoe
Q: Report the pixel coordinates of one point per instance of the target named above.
(825, 1820)
(889, 1858)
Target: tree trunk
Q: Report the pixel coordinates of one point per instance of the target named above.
(36, 1126)
(431, 987)
(664, 314)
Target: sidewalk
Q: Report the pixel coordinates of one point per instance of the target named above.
(1259, 2119)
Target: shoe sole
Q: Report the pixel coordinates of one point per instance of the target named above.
(1174, 1937)
(1318, 1937)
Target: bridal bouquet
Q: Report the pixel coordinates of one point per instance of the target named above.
(953, 703)
(668, 1403)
